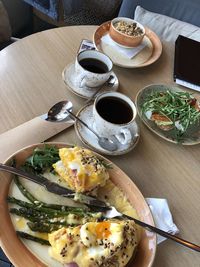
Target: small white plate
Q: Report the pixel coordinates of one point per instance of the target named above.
(84, 92)
(90, 140)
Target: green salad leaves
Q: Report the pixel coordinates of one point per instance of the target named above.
(179, 111)
(42, 159)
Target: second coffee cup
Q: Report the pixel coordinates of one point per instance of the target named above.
(114, 114)
(92, 68)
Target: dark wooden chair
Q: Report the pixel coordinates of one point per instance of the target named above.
(75, 12)
(5, 28)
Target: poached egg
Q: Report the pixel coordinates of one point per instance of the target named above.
(107, 243)
(81, 169)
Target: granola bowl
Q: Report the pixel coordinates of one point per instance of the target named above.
(126, 32)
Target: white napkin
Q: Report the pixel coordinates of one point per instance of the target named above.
(127, 52)
(162, 216)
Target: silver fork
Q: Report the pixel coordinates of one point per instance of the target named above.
(113, 213)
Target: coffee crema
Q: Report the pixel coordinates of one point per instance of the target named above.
(114, 110)
(93, 65)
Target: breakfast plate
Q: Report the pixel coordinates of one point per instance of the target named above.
(148, 55)
(170, 112)
(35, 254)
(90, 140)
(84, 92)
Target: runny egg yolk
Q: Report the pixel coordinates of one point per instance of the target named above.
(102, 230)
(94, 233)
(95, 244)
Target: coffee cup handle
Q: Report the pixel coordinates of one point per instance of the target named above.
(82, 81)
(125, 136)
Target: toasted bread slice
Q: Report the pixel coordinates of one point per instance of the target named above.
(163, 122)
(197, 106)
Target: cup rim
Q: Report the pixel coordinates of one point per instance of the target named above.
(99, 60)
(119, 94)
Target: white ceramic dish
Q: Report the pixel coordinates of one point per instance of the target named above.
(90, 140)
(84, 92)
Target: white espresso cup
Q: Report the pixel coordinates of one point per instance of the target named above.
(114, 114)
(92, 68)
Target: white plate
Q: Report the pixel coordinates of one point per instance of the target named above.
(90, 140)
(84, 92)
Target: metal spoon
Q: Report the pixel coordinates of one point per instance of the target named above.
(58, 112)
(62, 110)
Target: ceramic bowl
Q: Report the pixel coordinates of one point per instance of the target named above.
(122, 38)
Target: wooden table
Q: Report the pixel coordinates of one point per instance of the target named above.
(30, 83)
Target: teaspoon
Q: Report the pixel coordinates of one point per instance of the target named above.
(62, 110)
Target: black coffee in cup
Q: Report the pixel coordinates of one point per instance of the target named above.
(114, 110)
(93, 65)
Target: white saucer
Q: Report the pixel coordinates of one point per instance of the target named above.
(90, 140)
(84, 92)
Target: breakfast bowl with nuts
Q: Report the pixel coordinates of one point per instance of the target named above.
(126, 32)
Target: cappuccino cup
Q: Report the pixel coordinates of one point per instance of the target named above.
(114, 114)
(92, 68)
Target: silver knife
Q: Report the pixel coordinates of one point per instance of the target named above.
(55, 188)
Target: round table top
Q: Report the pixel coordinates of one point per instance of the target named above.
(31, 82)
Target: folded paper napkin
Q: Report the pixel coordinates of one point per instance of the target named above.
(127, 52)
(31, 132)
(162, 217)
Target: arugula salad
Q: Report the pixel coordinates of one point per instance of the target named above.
(176, 112)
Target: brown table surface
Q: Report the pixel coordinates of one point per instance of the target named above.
(31, 82)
